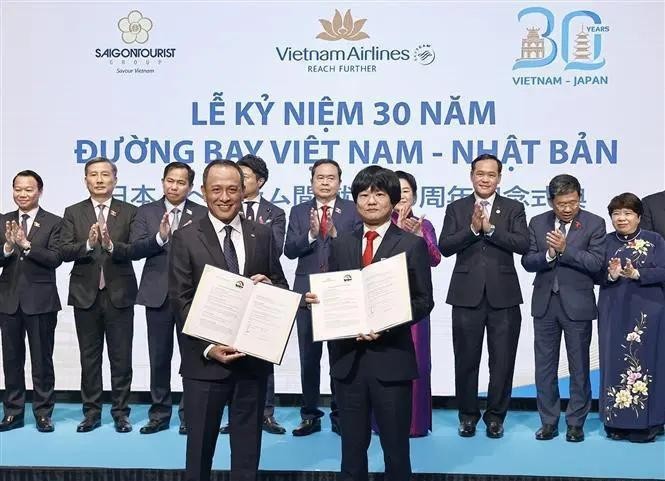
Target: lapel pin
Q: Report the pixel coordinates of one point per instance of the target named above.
(338, 210)
(498, 211)
(113, 213)
(35, 223)
(188, 211)
(252, 235)
(188, 222)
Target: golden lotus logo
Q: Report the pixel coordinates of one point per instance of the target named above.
(342, 29)
(135, 27)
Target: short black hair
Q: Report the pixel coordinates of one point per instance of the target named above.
(98, 160)
(30, 173)
(378, 178)
(563, 184)
(180, 165)
(627, 200)
(486, 157)
(410, 179)
(255, 164)
(326, 161)
(223, 163)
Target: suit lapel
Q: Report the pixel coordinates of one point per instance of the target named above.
(249, 240)
(36, 223)
(357, 254)
(337, 211)
(112, 215)
(388, 243)
(264, 212)
(89, 212)
(210, 240)
(187, 214)
(573, 229)
(496, 216)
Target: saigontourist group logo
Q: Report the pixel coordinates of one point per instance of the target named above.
(344, 49)
(134, 55)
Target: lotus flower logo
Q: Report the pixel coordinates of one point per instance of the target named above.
(342, 29)
(135, 27)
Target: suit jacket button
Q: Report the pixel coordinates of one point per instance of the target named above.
(484, 248)
(20, 258)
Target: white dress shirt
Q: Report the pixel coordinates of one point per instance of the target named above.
(105, 214)
(238, 243)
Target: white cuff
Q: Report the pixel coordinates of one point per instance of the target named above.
(207, 350)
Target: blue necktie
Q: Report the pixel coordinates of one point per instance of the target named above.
(555, 284)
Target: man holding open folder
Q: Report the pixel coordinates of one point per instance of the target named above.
(373, 372)
(214, 374)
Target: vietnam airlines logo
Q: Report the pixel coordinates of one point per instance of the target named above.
(343, 28)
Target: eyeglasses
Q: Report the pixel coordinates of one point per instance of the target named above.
(567, 205)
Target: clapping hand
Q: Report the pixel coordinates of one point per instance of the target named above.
(556, 241)
(629, 271)
(314, 224)
(614, 268)
(477, 219)
(164, 227)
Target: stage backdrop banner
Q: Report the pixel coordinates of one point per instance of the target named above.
(550, 88)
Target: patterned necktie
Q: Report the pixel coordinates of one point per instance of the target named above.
(101, 221)
(229, 249)
(249, 211)
(485, 203)
(368, 254)
(555, 284)
(176, 219)
(24, 223)
(323, 225)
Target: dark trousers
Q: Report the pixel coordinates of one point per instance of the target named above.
(310, 369)
(40, 329)
(547, 344)
(203, 413)
(359, 396)
(101, 320)
(161, 324)
(503, 331)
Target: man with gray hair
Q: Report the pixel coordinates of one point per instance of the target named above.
(566, 251)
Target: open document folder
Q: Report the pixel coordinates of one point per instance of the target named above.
(359, 301)
(254, 318)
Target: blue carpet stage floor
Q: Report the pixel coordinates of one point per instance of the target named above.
(104, 454)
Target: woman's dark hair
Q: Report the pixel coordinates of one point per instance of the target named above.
(627, 200)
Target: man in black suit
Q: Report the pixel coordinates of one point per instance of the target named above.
(312, 226)
(213, 375)
(256, 208)
(484, 230)
(102, 289)
(29, 301)
(566, 251)
(373, 373)
(653, 218)
(150, 235)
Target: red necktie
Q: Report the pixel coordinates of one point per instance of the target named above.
(368, 255)
(323, 225)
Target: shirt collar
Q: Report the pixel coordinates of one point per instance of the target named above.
(330, 204)
(32, 213)
(219, 225)
(490, 199)
(107, 203)
(381, 230)
(170, 207)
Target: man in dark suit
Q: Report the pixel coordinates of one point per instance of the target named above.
(150, 235)
(312, 226)
(373, 373)
(213, 375)
(567, 251)
(256, 208)
(102, 289)
(484, 230)
(29, 301)
(653, 218)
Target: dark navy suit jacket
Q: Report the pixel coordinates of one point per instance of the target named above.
(313, 258)
(154, 279)
(29, 280)
(575, 269)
